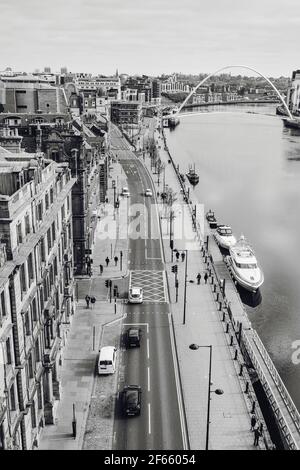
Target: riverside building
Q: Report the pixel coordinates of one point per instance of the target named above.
(36, 292)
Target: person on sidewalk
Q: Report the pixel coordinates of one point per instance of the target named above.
(205, 277)
(253, 422)
(182, 256)
(177, 255)
(256, 436)
(107, 261)
(198, 278)
(116, 259)
(87, 299)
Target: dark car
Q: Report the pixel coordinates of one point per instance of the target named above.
(133, 337)
(131, 400)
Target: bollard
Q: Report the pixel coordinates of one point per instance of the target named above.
(241, 370)
(235, 355)
(247, 387)
(212, 280)
(217, 299)
(227, 327)
(253, 407)
(231, 340)
(220, 306)
(223, 319)
(205, 259)
(209, 271)
(215, 287)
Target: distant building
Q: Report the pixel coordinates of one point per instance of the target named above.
(31, 94)
(126, 112)
(172, 85)
(36, 292)
(111, 85)
(47, 69)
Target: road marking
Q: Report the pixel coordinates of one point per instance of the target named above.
(179, 396)
(148, 349)
(148, 370)
(149, 418)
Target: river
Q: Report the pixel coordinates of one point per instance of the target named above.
(249, 168)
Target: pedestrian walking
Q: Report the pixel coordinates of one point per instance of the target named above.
(107, 261)
(87, 299)
(198, 278)
(182, 256)
(101, 269)
(116, 259)
(205, 277)
(256, 436)
(177, 255)
(253, 422)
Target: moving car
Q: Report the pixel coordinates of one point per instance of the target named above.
(131, 400)
(107, 360)
(135, 295)
(125, 192)
(148, 193)
(133, 337)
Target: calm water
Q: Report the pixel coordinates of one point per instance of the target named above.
(249, 168)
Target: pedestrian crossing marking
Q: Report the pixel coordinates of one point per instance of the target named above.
(152, 283)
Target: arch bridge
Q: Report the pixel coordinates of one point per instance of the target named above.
(236, 66)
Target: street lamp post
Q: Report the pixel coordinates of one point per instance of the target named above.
(218, 391)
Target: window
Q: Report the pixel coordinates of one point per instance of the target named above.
(47, 201)
(33, 415)
(19, 233)
(30, 267)
(40, 211)
(12, 398)
(43, 254)
(39, 395)
(49, 240)
(23, 106)
(55, 266)
(30, 366)
(27, 225)
(8, 351)
(23, 278)
(3, 305)
(27, 323)
(51, 195)
(53, 231)
(37, 350)
(34, 310)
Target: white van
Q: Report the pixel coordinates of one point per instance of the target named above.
(107, 360)
(135, 295)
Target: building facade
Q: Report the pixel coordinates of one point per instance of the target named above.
(36, 290)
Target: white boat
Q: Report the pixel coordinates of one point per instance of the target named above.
(243, 265)
(224, 236)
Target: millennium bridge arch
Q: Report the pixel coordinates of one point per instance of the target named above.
(235, 66)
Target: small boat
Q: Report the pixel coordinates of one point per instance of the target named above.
(292, 123)
(224, 236)
(211, 219)
(243, 265)
(192, 176)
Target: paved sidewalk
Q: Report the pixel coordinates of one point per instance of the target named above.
(229, 415)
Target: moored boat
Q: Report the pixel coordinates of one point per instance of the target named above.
(224, 236)
(192, 176)
(211, 219)
(292, 123)
(243, 265)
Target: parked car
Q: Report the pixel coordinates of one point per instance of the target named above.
(107, 360)
(148, 193)
(133, 337)
(125, 192)
(132, 400)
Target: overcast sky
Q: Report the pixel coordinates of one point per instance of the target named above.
(151, 37)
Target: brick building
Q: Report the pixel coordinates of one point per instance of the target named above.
(36, 292)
